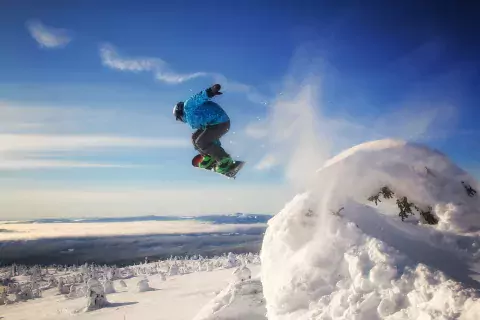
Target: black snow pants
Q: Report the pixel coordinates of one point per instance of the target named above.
(207, 141)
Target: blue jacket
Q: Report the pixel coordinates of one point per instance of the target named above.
(200, 112)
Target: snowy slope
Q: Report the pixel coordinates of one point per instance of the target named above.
(365, 263)
(218, 294)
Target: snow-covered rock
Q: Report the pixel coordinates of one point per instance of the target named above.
(332, 254)
(143, 285)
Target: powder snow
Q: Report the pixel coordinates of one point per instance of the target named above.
(334, 252)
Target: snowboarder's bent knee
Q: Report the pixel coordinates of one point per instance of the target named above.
(211, 122)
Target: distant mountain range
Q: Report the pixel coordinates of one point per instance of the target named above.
(236, 218)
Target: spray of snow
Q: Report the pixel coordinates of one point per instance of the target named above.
(331, 253)
(293, 134)
(303, 128)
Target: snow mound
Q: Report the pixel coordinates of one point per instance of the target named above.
(242, 299)
(333, 254)
(143, 285)
(426, 177)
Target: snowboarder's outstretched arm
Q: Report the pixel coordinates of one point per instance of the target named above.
(203, 96)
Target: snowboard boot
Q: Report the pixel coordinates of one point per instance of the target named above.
(224, 165)
(207, 162)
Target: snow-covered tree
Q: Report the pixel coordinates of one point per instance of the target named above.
(174, 270)
(108, 287)
(96, 298)
(242, 273)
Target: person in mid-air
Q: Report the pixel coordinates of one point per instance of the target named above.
(211, 122)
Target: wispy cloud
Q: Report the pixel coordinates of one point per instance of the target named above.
(22, 164)
(50, 137)
(19, 151)
(161, 71)
(26, 118)
(48, 37)
(112, 59)
(19, 142)
(178, 78)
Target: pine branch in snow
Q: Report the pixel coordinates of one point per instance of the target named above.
(375, 198)
(470, 191)
(387, 193)
(337, 213)
(428, 216)
(429, 172)
(404, 206)
(310, 213)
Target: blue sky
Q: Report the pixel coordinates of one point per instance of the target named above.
(87, 90)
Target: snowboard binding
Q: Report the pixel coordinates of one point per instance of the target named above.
(231, 174)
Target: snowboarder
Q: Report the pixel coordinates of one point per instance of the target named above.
(211, 122)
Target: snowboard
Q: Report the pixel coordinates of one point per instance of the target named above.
(238, 165)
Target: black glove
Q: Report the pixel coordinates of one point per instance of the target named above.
(214, 90)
